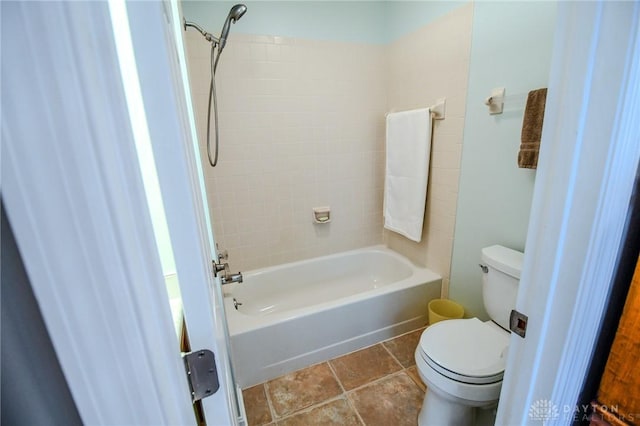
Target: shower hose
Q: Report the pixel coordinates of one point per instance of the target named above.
(212, 95)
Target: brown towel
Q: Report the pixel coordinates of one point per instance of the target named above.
(532, 129)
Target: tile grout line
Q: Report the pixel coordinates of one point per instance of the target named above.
(379, 379)
(355, 410)
(392, 355)
(353, 407)
(272, 411)
(405, 369)
(344, 393)
(335, 375)
(312, 407)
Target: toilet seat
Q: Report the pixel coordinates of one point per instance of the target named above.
(466, 350)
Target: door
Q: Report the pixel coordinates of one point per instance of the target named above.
(156, 33)
(81, 125)
(584, 182)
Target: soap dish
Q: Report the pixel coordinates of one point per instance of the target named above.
(322, 214)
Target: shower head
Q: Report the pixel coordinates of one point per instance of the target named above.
(235, 13)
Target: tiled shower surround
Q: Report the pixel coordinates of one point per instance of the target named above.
(302, 125)
(425, 65)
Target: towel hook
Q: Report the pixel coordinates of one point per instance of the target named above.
(495, 102)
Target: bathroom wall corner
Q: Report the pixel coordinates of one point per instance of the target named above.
(430, 63)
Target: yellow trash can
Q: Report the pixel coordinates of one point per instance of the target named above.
(444, 309)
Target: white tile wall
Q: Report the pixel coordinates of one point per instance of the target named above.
(428, 64)
(301, 125)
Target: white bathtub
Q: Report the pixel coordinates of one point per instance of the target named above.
(294, 315)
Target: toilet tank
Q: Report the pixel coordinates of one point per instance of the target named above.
(500, 282)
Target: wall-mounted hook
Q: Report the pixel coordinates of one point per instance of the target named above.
(495, 102)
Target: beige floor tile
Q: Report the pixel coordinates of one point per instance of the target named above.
(338, 413)
(364, 366)
(302, 389)
(394, 400)
(375, 386)
(256, 406)
(404, 347)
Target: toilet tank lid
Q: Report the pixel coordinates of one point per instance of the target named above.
(503, 259)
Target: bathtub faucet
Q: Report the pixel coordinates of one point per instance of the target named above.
(231, 278)
(222, 269)
(226, 277)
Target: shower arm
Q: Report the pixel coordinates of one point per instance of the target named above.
(210, 37)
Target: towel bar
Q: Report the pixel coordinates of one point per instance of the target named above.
(437, 110)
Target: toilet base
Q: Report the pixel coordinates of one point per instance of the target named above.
(439, 411)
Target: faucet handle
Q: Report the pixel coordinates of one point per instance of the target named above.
(223, 255)
(220, 267)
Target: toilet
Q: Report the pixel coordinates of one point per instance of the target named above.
(462, 360)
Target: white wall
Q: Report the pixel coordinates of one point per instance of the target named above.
(511, 48)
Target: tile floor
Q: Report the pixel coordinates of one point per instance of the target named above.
(378, 385)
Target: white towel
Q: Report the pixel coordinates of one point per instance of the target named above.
(407, 171)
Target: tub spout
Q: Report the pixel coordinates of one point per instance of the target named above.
(231, 278)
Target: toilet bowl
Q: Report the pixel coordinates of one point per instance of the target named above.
(462, 361)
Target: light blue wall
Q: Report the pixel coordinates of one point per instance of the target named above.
(511, 47)
(337, 21)
(377, 22)
(404, 17)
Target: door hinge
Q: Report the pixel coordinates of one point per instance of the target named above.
(201, 373)
(518, 323)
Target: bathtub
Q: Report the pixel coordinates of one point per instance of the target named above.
(290, 316)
